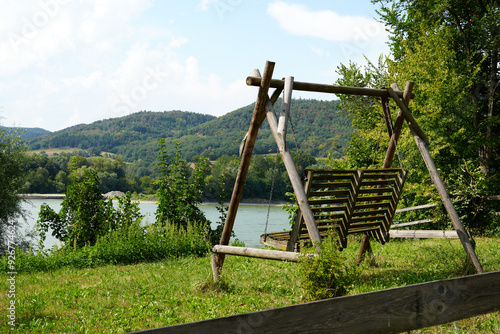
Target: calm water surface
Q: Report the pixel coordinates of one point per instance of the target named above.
(249, 225)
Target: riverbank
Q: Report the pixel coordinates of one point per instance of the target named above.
(150, 199)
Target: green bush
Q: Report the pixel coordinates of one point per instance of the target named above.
(327, 274)
(86, 215)
(127, 245)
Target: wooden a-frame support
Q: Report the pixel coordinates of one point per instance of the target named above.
(264, 109)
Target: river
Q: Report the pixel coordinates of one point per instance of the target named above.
(249, 224)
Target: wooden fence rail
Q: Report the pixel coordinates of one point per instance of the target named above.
(386, 311)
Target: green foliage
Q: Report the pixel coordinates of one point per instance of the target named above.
(129, 244)
(12, 178)
(365, 113)
(85, 214)
(179, 193)
(467, 186)
(216, 234)
(327, 274)
(451, 50)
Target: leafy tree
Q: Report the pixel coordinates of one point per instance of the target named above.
(85, 214)
(451, 49)
(179, 192)
(12, 176)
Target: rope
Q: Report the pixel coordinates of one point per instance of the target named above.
(271, 195)
(274, 175)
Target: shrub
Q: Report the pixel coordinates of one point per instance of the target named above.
(326, 275)
(85, 214)
(129, 244)
(179, 193)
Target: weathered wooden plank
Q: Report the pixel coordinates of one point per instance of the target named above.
(424, 234)
(257, 252)
(324, 88)
(386, 311)
(416, 222)
(417, 207)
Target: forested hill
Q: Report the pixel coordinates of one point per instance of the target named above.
(319, 129)
(29, 132)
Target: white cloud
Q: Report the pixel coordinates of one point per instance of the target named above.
(326, 24)
(38, 31)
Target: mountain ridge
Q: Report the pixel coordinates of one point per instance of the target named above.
(317, 127)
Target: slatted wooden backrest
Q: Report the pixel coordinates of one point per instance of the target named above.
(351, 201)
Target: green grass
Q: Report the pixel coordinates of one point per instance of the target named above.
(118, 299)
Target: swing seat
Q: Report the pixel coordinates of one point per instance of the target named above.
(348, 202)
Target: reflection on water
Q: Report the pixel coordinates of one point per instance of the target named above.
(249, 225)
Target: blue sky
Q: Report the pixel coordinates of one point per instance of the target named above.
(65, 62)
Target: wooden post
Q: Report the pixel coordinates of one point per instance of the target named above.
(293, 174)
(448, 204)
(285, 110)
(389, 157)
(407, 114)
(438, 182)
(255, 124)
(398, 125)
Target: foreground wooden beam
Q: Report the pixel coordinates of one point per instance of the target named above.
(323, 88)
(387, 311)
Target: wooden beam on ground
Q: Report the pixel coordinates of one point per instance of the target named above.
(424, 234)
(258, 253)
(255, 124)
(387, 311)
(324, 88)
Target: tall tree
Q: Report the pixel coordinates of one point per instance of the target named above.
(452, 46)
(450, 49)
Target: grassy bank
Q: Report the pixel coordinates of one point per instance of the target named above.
(118, 299)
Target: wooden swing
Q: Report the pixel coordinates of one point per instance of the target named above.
(350, 201)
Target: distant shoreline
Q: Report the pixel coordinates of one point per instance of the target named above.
(42, 196)
(255, 202)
